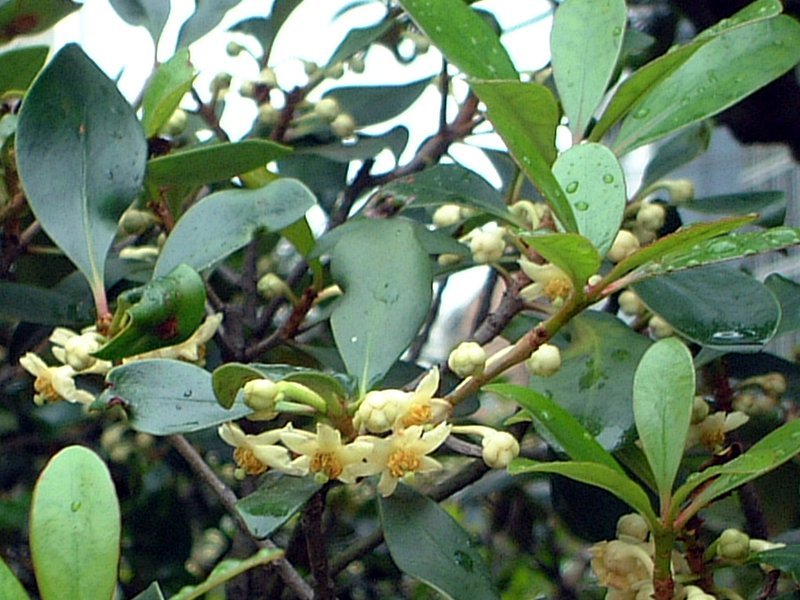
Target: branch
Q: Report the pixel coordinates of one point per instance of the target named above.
(315, 545)
(210, 117)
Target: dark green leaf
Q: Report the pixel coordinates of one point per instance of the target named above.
(265, 29)
(168, 85)
(323, 176)
(787, 293)
(386, 277)
(770, 206)
(226, 221)
(23, 17)
(81, 156)
(715, 306)
(75, 506)
(585, 42)
(49, 307)
(225, 570)
(163, 396)
(276, 500)
(152, 592)
(595, 185)
(375, 104)
(359, 39)
(663, 394)
(207, 15)
(217, 162)
(558, 425)
(428, 544)
(150, 14)
(465, 39)
(18, 67)
(571, 252)
(10, 587)
(366, 146)
(681, 149)
(787, 559)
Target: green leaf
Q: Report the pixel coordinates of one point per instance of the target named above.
(165, 312)
(690, 301)
(24, 17)
(386, 277)
(18, 67)
(594, 474)
(226, 221)
(265, 29)
(525, 115)
(365, 146)
(150, 14)
(465, 39)
(595, 185)
(571, 252)
(166, 88)
(81, 157)
(428, 544)
(277, 499)
(10, 587)
(216, 162)
(207, 15)
(52, 308)
(75, 527)
(164, 396)
(360, 38)
(770, 206)
(787, 292)
(595, 381)
(585, 42)
(558, 424)
(787, 559)
(727, 68)
(663, 393)
(226, 570)
(375, 104)
(678, 151)
(151, 592)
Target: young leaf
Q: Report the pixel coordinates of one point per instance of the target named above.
(150, 14)
(205, 17)
(386, 277)
(81, 157)
(167, 86)
(18, 67)
(10, 587)
(585, 41)
(663, 392)
(465, 39)
(595, 185)
(164, 396)
(276, 500)
(75, 527)
(427, 543)
(225, 570)
(571, 252)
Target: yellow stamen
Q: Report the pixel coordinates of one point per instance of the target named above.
(418, 414)
(44, 388)
(557, 289)
(247, 461)
(326, 463)
(401, 462)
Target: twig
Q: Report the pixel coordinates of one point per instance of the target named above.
(315, 544)
(209, 116)
(485, 300)
(427, 326)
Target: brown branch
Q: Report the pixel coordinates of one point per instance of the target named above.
(208, 115)
(311, 521)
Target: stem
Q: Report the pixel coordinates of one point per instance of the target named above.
(315, 544)
(663, 584)
(297, 392)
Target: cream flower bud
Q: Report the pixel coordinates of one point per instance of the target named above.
(700, 410)
(733, 545)
(680, 190)
(327, 108)
(499, 449)
(78, 350)
(335, 71)
(545, 361)
(487, 246)
(271, 286)
(632, 526)
(468, 358)
(176, 124)
(268, 114)
(267, 77)
(261, 395)
(448, 259)
(233, 49)
(446, 215)
(343, 126)
(247, 89)
(134, 221)
(624, 245)
(651, 216)
(379, 410)
(695, 593)
(659, 327)
(631, 304)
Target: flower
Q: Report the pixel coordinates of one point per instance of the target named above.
(659, 328)
(733, 544)
(192, 349)
(651, 216)
(324, 455)
(468, 358)
(499, 447)
(548, 281)
(632, 528)
(53, 384)
(625, 244)
(262, 395)
(621, 566)
(487, 246)
(631, 304)
(255, 454)
(711, 431)
(378, 410)
(545, 361)
(76, 349)
(446, 215)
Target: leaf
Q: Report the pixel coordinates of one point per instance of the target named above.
(360, 38)
(594, 474)
(226, 570)
(595, 381)
(715, 306)
(727, 68)
(786, 559)
(369, 105)
(277, 499)
(24, 17)
(663, 393)
(585, 42)
(75, 527)
(226, 221)
(463, 37)
(151, 592)
(150, 14)
(164, 396)
(52, 307)
(365, 146)
(770, 206)
(571, 252)
(10, 587)
(217, 162)
(207, 15)
(558, 424)
(595, 185)
(18, 67)
(266, 29)
(787, 292)
(167, 86)
(427, 543)
(386, 277)
(525, 115)
(81, 157)
(681, 149)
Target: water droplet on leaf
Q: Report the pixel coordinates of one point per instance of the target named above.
(464, 560)
(641, 113)
(75, 506)
(572, 187)
(582, 206)
(608, 178)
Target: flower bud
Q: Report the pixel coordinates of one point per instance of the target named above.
(680, 190)
(343, 126)
(499, 449)
(176, 124)
(631, 304)
(220, 83)
(327, 108)
(624, 245)
(651, 216)
(134, 221)
(447, 259)
(695, 593)
(271, 286)
(659, 327)
(545, 361)
(487, 246)
(310, 67)
(248, 89)
(267, 77)
(356, 64)
(700, 410)
(234, 49)
(268, 115)
(632, 526)
(468, 358)
(733, 545)
(261, 395)
(379, 410)
(78, 350)
(447, 215)
(335, 71)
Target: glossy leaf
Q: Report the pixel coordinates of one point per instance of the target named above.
(770, 206)
(787, 559)
(374, 104)
(428, 544)
(742, 320)
(365, 146)
(360, 38)
(226, 570)
(787, 293)
(595, 185)
(226, 221)
(558, 425)
(277, 499)
(167, 86)
(23, 17)
(525, 115)
(164, 396)
(465, 39)
(10, 587)
(75, 507)
(386, 277)
(663, 394)
(595, 381)
(678, 151)
(151, 592)
(594, 474)
(727, 68)
(207, 15)
(150, 14)
(18, 67)
(80, 143)
(572, 253)
(52, 308)
(585, 42)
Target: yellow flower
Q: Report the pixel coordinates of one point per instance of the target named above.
(190, 350)
(549, 281)
(255, 454)
(53, 383)
(711, 431)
